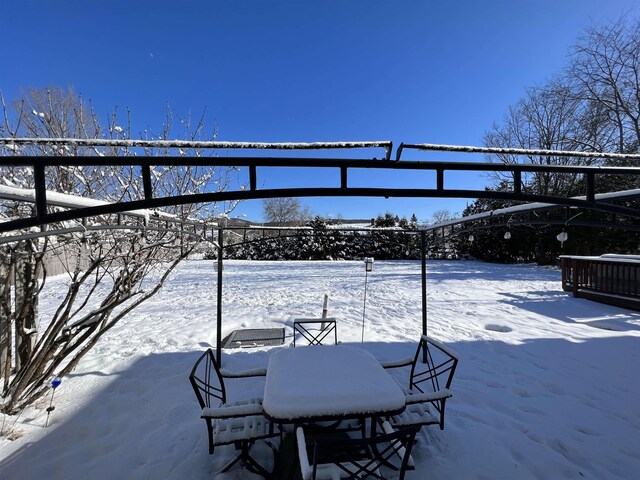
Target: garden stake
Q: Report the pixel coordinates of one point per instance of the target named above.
(54, 384)
(368, 267)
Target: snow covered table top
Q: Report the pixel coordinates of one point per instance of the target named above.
(326, 382)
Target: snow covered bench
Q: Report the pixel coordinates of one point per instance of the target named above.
(240, 423)
(432, 370)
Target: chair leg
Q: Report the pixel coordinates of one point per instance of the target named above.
(374, 424)
(378, 422)
(227, 466)
(247, 461)
(254, 467)
(251, 463)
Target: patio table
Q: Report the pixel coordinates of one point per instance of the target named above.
(328, 382)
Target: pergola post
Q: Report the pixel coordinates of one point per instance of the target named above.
(423, 252)
(219, 304)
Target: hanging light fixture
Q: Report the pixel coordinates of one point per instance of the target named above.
(507, 234)
(562, 237)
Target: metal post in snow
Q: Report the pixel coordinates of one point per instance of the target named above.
(324, 309)
(423, 242)
(324, 306)
(368, 267)
(219, 304)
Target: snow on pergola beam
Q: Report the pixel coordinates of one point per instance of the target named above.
(64, 200)
(514, 151)
(206, 145)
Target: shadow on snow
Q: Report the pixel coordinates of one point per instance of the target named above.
(544, 408)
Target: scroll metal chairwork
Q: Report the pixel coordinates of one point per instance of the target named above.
(432, 370)
(315, 331)
(239, 423)
(342, 457)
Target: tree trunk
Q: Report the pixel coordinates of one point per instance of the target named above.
(540, 256)
(26, 305)
(5, 315)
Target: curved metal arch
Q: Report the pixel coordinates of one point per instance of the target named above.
(146, 163)
(307, 192)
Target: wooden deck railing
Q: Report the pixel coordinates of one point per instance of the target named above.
(608, 279)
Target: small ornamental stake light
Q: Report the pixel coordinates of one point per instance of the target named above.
(368, 264)
(55, 383)
(471, 238)
(368, 267)
(507, 235)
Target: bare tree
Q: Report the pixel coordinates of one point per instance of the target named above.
(118, 271)
(593, 106)
(89, 310)
(440, 216)
(285, 211)
(548, 118)
(54, 112)
(606, 67)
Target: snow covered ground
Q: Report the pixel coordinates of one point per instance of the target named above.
(547, 386)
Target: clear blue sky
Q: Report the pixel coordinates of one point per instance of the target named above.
(276, 71)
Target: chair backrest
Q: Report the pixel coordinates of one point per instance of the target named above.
(314, 331)
(433, 366)
(363, 457)
(207, 381)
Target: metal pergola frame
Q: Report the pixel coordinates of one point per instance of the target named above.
(144, 164)
(527, 215)
(220, 254)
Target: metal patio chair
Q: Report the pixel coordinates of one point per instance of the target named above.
(340, 457)
(239, 423)
(432, 370)
(314, 331)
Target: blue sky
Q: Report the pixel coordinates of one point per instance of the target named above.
(281, 71)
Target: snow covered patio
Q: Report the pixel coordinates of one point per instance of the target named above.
(546, 387)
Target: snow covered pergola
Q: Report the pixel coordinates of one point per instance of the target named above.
(149, 201)
(343, 166)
